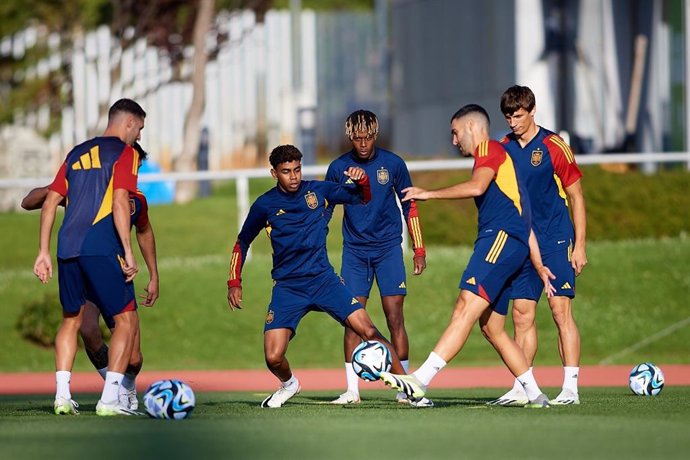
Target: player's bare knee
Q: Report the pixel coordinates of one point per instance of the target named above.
(274, 359)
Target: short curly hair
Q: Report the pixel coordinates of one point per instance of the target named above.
(284, 154)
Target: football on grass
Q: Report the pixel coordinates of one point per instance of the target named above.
(169, 399)
(646, 379)
(370, 359)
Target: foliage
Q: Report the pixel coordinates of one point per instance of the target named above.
(39, 320)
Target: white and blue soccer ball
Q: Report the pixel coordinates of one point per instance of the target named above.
(370, 359)
(646, 379)
(169, 399)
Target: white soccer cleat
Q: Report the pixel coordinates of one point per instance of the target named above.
(349, 397)
(514, 397)
(421, 403)
(128, 399)
(279, 398)
(566, 398)
(107, 410)
(540, 402)
(64, 406)
(408, 384)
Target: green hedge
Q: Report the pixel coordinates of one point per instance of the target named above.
(619, 206)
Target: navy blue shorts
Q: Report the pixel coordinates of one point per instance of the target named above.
(292, 299)
(361, 266)
(97, 278)
(493, 267)
(528, 285)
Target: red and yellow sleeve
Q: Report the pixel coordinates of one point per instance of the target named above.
(414, 227)
(235, 271)
(563, 160)
(59, 184)
(126, 170)
(489, 154)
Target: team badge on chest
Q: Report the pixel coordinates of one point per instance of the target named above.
(312, 200)
(537, 156)
(382, 176)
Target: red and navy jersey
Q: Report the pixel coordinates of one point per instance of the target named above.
(546, 166)
(297, 225)
(504, 204)
(87, 178)
(139, 210)
(377, 224)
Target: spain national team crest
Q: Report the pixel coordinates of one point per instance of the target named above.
(537, 155)
(132, 207)
(382, 176)
(312, 200)
(269, 317)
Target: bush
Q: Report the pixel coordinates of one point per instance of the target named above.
(40, 320)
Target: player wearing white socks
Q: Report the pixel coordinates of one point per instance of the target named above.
(504, 242)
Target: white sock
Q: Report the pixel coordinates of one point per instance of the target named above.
(62, 379)
(111, 388)
(517, 386)
(530, 385)
(102, 372)
(352, 379)
(128, 381)
(570, 374)
(406, 365)
(292, 383)
(432, 366)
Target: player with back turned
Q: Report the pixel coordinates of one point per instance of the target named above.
(294, 217)
(94, 252)
(372, 237)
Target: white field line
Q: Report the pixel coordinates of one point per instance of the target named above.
(651, 339)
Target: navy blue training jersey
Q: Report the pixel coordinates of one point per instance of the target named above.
(546, 166)
(87, 178)
(297, 225)
(504, 204)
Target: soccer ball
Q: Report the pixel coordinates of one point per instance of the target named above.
(646, 380)
(169, 399)
(370, 359)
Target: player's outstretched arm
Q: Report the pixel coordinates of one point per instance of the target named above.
(35, 198)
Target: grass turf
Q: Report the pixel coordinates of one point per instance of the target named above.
(609, 424)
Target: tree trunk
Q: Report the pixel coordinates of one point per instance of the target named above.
(187, 161)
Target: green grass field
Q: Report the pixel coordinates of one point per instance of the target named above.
(610, 424)
(630, 291)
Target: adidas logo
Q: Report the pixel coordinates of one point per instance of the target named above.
(280, 212)
(88, 160)
(472, 281)
(349, 181)
(354, 301)
(402, 285)
(566, 286)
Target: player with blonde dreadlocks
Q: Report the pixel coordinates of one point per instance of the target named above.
(372, 237)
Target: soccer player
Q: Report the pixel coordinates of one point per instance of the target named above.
(372, 237)
(96, 349)
(293, 214)
(94, 249)
(504, 241)
(547, 169)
